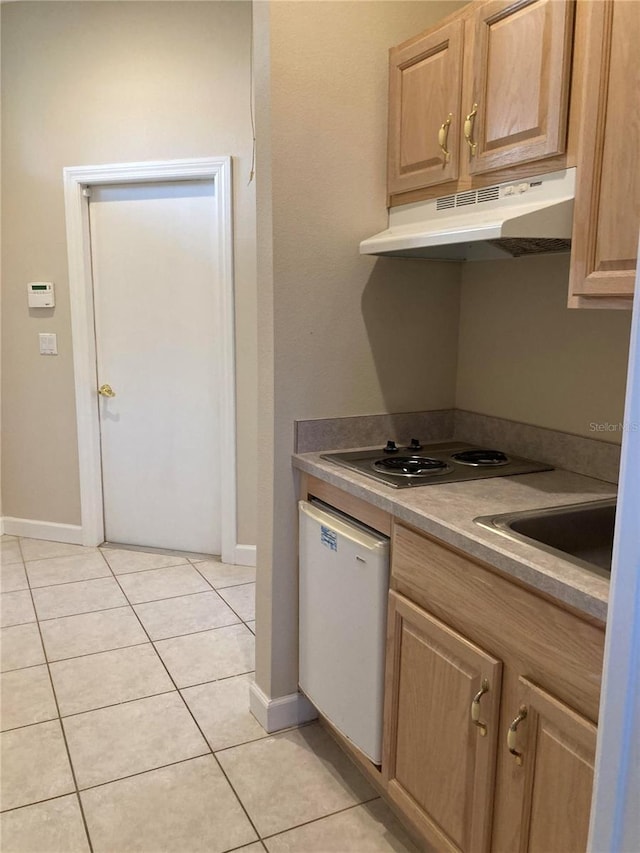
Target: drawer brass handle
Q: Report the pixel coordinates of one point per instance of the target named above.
(511, 734)
(475, 708)
(443, 137)
(468, 129)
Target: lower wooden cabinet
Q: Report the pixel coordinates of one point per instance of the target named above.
(439, 764)
(487, 746)
(553, 753)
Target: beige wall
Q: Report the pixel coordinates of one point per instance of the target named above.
(339, 334)
(523, 355)
(108, 82)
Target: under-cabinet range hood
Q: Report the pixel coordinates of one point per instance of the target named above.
(507, 220)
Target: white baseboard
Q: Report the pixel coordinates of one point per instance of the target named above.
(51, 530)
(281, 713)
(244, 555)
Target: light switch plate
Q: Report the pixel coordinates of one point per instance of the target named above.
(48, 343)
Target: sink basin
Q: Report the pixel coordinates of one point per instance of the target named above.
(581, 533)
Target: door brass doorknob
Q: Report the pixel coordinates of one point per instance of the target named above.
(106, 391)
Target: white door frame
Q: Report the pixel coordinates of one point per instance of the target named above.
(76, 181)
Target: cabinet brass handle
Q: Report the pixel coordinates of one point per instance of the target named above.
(511, 734)
(443, 138)
(106, 391)
(468, 129)
(475, 708)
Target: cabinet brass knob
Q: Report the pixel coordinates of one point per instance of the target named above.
(443, 137)
(106, 391)
(511, 734)
(475, 708)
(468, 129)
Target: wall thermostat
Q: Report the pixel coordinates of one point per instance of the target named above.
(41, 294)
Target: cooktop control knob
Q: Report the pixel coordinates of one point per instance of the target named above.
(415, 444)
(391, 447)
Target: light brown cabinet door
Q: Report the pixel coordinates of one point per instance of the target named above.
(425, 81)
(607, 207)
(438, 764)
(521, 74)
(556, 748)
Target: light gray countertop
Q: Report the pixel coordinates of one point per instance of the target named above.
(447, 512)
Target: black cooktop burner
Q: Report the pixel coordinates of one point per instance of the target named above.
(481, 458)
(408, 466)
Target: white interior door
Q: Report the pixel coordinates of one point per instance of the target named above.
(153, 250)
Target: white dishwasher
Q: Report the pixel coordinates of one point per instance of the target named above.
(344, 580)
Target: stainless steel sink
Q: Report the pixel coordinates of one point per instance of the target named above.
(581, 533)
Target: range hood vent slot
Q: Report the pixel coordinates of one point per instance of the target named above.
(446, 202)
(465, 198)
(488, 194)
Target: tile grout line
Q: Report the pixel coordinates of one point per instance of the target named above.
(111, 781)
(242, 743)
(237, 796)
(134, 604)
(200, 631)
(67, 583)
(20, 668)
(39, 802)
(216, 680)
(62, 729)
(87, 549)
(322, 817)
(101, 652)
(144, 642)
(99, 708)
(18, 624)
(62, 556)
(81, 613)
(150, 569)
(226, 602)
(196, 723)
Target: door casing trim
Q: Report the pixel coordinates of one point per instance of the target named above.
(77, 179)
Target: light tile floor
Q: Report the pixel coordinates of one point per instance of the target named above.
(124, 704)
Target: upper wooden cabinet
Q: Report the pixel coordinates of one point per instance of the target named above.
(424, 120)
(521, 75)
(488, 90)
(607, 207)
